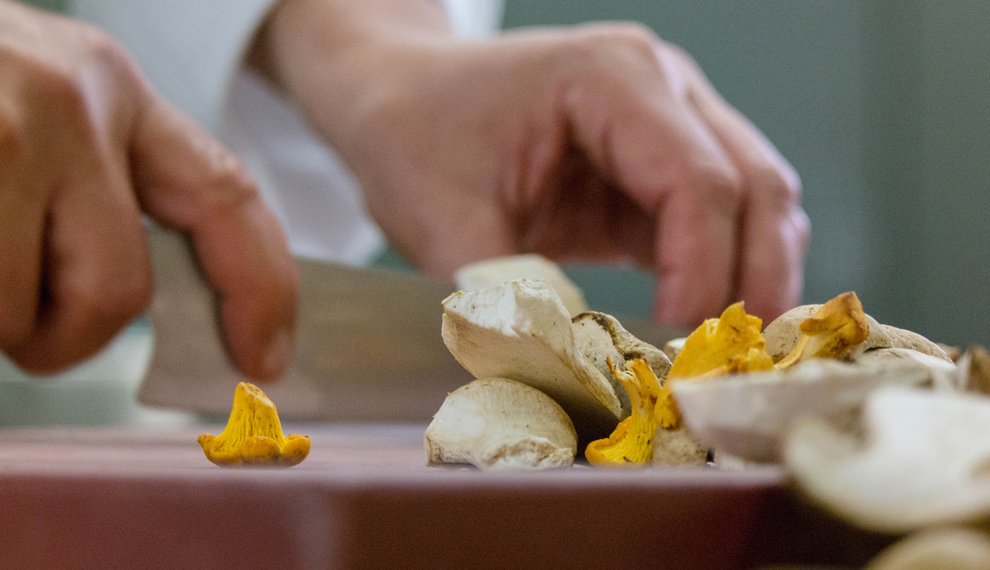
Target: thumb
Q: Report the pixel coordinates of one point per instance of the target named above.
(185, 179)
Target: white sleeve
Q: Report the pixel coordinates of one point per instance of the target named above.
(192, 50)
(189, 49)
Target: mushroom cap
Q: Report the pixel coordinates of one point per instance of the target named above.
(498, 423)
(748, 415)
(924, 461)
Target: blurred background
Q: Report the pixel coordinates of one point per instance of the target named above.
(883, 106)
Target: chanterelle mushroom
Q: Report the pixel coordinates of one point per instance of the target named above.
(253, 435)
(497, 423)
(835, 330)
(729, 344)
(632, 441)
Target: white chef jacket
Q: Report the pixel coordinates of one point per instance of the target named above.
(192, 51)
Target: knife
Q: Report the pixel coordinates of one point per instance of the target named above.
(368, 345)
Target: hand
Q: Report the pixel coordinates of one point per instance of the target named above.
(85, 148)
(600, 142)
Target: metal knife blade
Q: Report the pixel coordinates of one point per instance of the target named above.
(368, 345)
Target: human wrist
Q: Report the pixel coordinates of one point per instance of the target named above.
(337, 51)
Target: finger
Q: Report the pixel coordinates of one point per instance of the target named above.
(21, 223)
(774, 228)
(187, 180)
(655, 147)
(95, 279)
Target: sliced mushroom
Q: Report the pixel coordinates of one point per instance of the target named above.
(924, 461)
(521, 330)
(936, 549)
(748, 415)
(498, 423)
(498, 270)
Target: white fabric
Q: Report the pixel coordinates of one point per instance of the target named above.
(192, 51)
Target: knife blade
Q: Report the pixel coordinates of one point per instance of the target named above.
(368, 345)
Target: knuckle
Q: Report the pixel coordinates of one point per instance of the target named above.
(233, 186)
(110, 303)
(605, 43)
(110, 54)
(61, 90)
(779, 183)
(722, 185)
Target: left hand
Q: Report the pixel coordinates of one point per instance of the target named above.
(595, 143)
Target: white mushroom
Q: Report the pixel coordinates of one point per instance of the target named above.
(924, 461)
(937, 549)
(748, 415)
(784, 332)
(941, 374)
(521, 330)
(498, 270)
(497, 423)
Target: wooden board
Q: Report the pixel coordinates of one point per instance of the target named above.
(144, 497)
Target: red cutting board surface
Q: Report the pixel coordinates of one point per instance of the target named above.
(147, 497)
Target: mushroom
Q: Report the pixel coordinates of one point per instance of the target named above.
(731, 343)
(749, 415)
(521, 330)
(600, 337)
(939, 374)
(785, 332)
(631, 443)
(924, 460)
(253, 435)
(498, 270)
(498, 423)
(940, 548)
(836, 330)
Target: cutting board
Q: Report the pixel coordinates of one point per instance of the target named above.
(146, 497)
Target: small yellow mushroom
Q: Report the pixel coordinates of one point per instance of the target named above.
(632, 441)
(253, 435)
(729, 344)
(838, 327)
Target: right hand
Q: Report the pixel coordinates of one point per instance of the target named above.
(86, 147)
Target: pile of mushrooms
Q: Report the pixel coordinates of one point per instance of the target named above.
(520, 334)
(877, 424)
